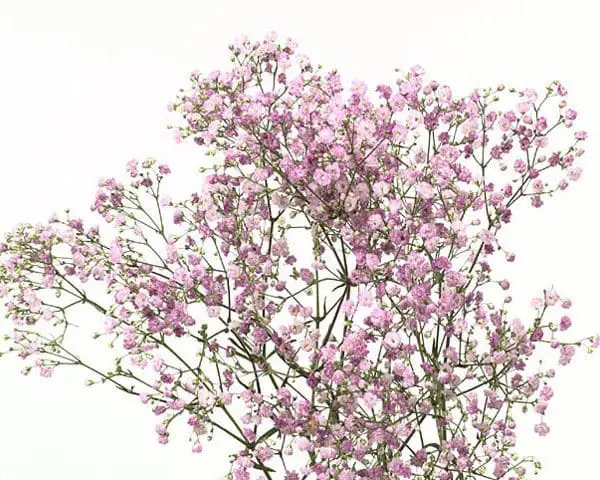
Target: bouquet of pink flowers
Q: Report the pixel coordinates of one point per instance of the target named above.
(325, 299)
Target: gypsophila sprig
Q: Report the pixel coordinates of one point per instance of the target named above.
(325, 299)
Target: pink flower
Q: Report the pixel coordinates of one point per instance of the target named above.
(413, 120)
(565, 323)
(122, 295)
(375, 222)
(358, 88)
(164, 169)
(537, 303)
(326, 135)
(141, 299)
(322, 177)
(115, 252)
(328, 453)
(304, 444)
(132, 167)
(524, 107)
(540, 407)
(574, 173)
(487, 237)
(566, 354)
(306, 275)
(347, 475)
(425, 190)
(392, 340)
(542, 429)
(547, 393)
(372, 261)
(197, 448)
(348, 308)
(551, 297)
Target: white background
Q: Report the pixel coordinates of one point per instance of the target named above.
(84, 87)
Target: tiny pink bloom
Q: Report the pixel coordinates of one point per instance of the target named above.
(372, 261)
(122, 295)
(322, 177)
(326, 135)
(115, 252)
(537, 303)
(425, 190)
(565, 323)
(197, 448)
(542, 429)
(328, 453)
(392, 340)
(141, 299)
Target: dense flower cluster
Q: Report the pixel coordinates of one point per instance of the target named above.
(326, 298)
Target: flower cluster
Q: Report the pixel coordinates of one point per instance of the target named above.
(326, 297)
